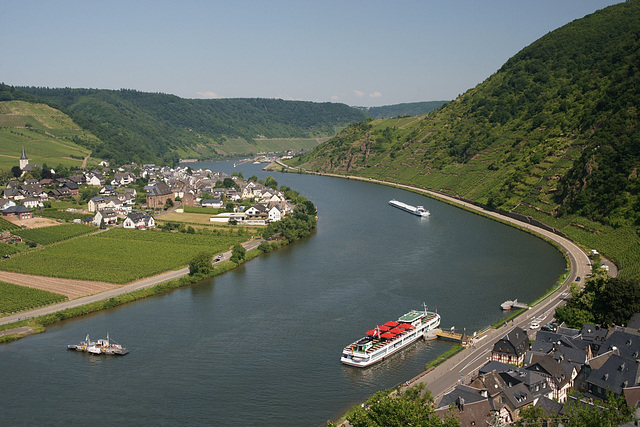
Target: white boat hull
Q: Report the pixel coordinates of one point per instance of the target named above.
(362, 359)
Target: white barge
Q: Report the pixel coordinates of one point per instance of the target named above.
(416, 210)
(102, 346)
(389, 338)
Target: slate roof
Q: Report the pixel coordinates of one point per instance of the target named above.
(615, 374)
(159, 189)
(470, 414)
(627, 344)
(461, 394)
(515, 342)
(553, 368)
(16, 210)
(549, 406)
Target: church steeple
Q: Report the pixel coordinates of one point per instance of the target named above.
(24, 161)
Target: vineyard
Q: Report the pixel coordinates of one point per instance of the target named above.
(15, 298)
(8, 225)
(57, 233)
(63, 215)
(119, 255)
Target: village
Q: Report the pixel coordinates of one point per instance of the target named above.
(556, 366)
(118, 197)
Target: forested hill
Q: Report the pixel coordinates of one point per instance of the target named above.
(404, 109)
(554, 134)
(155, 127)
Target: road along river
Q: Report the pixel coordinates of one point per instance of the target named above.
(260, 345)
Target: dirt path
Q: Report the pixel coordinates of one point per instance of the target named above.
(84, 162)
(71, 288)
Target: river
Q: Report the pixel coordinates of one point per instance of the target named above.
(260, 345)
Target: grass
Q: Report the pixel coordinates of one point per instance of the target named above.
(455, 349)
(513, 315)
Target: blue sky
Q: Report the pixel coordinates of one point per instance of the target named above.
(366, 53)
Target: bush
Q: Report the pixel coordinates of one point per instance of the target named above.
(200, 264)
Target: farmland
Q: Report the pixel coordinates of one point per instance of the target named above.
(48, 235)
(119, 255)
(17, 298)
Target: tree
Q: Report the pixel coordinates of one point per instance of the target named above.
(271, 182)
(238, 253)
(228, 183)
(409, 407)
(16, 171)
(253, 178)
(200, 264)
(532, 416)
(613, 411)
(168, 204)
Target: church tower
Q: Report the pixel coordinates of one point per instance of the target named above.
(24, 161)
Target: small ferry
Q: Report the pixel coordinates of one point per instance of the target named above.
(102, 346)
(390, 337)
(416, 210)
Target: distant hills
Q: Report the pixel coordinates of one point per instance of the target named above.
(553, 134)
(404, 109)
(155, 127)
(49, 136)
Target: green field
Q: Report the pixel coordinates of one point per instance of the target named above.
(119, 255)
(56, 233)
(17, 298)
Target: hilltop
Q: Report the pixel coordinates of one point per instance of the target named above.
(404, 109)
(49, 136)
(553, 134)
(161, 128)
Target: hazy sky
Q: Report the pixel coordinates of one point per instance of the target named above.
(366, 53)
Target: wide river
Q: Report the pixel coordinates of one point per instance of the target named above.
(260, 345)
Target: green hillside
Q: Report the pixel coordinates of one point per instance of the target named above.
(404, 109)
(48, 135)
(155, 127)
(553, 134)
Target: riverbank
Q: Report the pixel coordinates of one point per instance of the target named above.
(21, 324)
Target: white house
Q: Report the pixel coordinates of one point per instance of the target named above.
(96, 203)
(212, 203)
(139, 220)
(94, 180)
(108, 215)
(275, 214)
(32, 203)
(6, 203)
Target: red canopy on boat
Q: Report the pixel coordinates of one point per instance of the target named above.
(405, 326)
(388, 335)
(391, 323)
(384, 328)
(372, 333)
(397, 330)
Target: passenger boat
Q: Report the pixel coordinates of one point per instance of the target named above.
(416, 210)
(390, 337)
(102, 346)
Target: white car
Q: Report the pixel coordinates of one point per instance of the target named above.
(534, 325)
